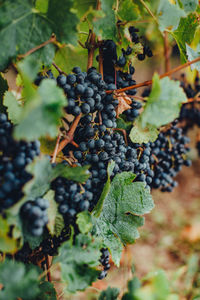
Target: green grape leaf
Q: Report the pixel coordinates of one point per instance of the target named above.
(104, 25)
(18, 281)
(82, 7)
(42, 5)
(84, 221)
(52, 210)
(8, 244)
(189, 5)
(24, 26)
(78, 174)
(192, 54)
(14, 109)
(33, 241)
(182, 35)
(98, 208)
(76, 54)
(143, 135)
(63, 19)
(169, 15)
(59, 225)
(123, 124)
(29, 67)
(3, 89)
(163, 104)
(47, 291)
(78, 261)
(109, 294)
(128, 11)
(124, 204)
(42, 111)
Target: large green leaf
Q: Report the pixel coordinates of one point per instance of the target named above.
(47, 291)
(78, 262)
(109, 294)
(23, 27)
(18, 281)
(14, 109)
(169, 15)
(42, 111)
(164, 102)
(128, 11)
(105, 25)
(143, 135)
(190, 5)
(3, 89)
(182, 35)
(124, 204)
(81, 7)
(192, 54)
(63, 20)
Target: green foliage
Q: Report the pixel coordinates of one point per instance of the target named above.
(109, 294)
(47, 291)
(163, 104)
(124, 203)
(41, 115)
(169, 15)
(18, 281)
(192, 54)
(84, 222)
(182, 35)
(189, 5)
(3, 89)
(78, 262)
(21, 18)
(143, 135)
(13, 107)
(128, 11)
(104, 25)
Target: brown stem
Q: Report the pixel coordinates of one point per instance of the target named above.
(51, 40)
(91, 51)
(58, 69)
(166, 52)
(48, 268)
(124, 133)
(101, 61)
(149, 82)
(100, 118)
(70, 133)
(136, 97)
(56, 149)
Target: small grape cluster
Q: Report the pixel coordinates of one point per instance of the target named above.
(14, 157)
(34, 215)
(168, 156)
(104, 260)
(71, 197)
(84, 91)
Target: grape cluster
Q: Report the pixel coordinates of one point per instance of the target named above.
(14, 156)
(84, 91)
(71, 197)
(34, 215)
(167, 157)
(104, 260)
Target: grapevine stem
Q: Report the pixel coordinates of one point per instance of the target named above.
(166, 52)
(70, 133)
(58, 69)
(51, 40)
(149, 11)
(91, 51)
(149, 82)
(56, 149)
(48, 268)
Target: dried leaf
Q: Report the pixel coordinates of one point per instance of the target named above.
(124, 102)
